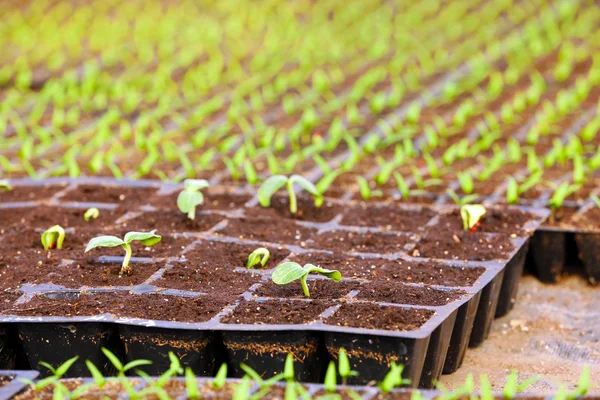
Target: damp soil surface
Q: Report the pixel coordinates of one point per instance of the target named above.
(374, 316)
(276, 312)
(387, 217)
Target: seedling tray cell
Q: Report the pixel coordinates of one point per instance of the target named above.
(195, 297)
(11, 384)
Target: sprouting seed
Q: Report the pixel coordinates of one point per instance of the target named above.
(53, 238)
(471, 214)
(146, 238)
(259, 256)
(4, 185)
(91, 213)
(191, 196)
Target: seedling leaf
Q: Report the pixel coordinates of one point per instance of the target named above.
(53, 237)
(258, 256)
(288, 272)
(269, 187)
(146, 238)
(91, 213)
(104, 241)
(471, 214)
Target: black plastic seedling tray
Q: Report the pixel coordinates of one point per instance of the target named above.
(14, 385)
(435, 346)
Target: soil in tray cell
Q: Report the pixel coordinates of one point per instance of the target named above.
(7, 300)
(374, 316)
(387, 217)
(343, 394)
(566, 216)
(276, 312)
(319, 289)
(307, 211)
(43, 217)
(433, 273)
(29, 193)
(36, 268)
(267, 230)
(109, 194)
(111, 390)
(123, 304)
(392, 292)
(5, 380)
(217, 201)
(361, 242)
(214, 254)
(494, 221)
(173, 221)
(443, 242)
(178, 389)
(224, 281)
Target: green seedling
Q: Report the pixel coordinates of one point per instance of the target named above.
(583, 384)
(330, 382)
(4, 185)
(393, 378)
(53, 238)
(220, 378)
(191, 196)
(119, 366)
(255, 376)
(512, 191)
(191, 387)
(344, 368)
(91, 213)
(563, 191)
(276, 182)
(365, 190)
(290, 271)
(258, 256)
(512, 386)
(471, 215)
(57, 374)
(466, 182)
(595, 199)
(99, 379)
(485, 388)
(461, 201)
(242, 390)
(146, 238)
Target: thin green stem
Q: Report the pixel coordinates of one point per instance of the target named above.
(192, 213)
(305, 285)
(125, 268)
(292, 194)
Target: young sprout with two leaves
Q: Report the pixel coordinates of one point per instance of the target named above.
(91, 213)
(4, 185)
(57, 374)
(276, 182)
(393, 378)
(344, 368)
(53, 238)
(146, 238)
(471, 215)
(259, 256)
(291, 271)
(461, 201)
(191, 196)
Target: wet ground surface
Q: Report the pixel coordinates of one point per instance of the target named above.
(553, 331)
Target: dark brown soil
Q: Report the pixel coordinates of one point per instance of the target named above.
(373, 316)
(44, 217)
(267, 230)
(343, 394)
(177, 389)
(126, 305)
(307, 211)
(387, 217)
(222, 254)
(361, 242)
(222, 202)
(223, 280)
(40, 269)
(319, 289)
(443, 242)
(276, 312)
(167, 247)
(391, 292)
(393, 270)
(494, 221)
(5, 380)
(565, 215)
(7, 299)
(29, 193)
(173, 221)
(107, 194)
(111, 390)
(46, 392)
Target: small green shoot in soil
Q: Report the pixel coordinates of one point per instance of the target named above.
(146, 238)
(291, 271)
(91, 213)
(221, 377)
(4, 185)
(596, 200)
(259, 256)
(53, 238)
(276, 182)
(471, 215)
(393, 378)
(191, 196)
(344, 367)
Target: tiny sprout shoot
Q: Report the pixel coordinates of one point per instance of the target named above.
(122, 369)
(330, 381)
(596, 200)
(190, 384)
(512, 387)
(471, 214)
(53, 238)
(583, 384)
(4, 185)
(291, 271)
(461, 201)
(344, 367)
(512, 191)
(91, 213)
(220, 378)
(393, 378)
(191, 196)
(146, 238)
(288, 369)
(258, 256)
(276, 182)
